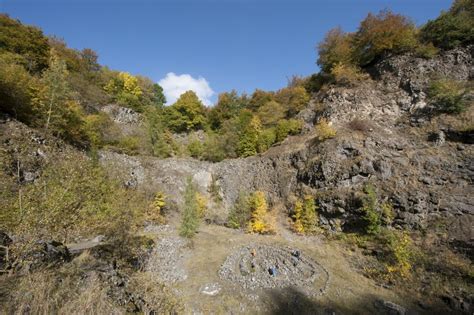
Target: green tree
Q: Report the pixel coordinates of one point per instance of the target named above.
(162, 143)
(452, 28)
(228, 106)
(159, 98)
(188, 113)
(57, 88)
(190, 220)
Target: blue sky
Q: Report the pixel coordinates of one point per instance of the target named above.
(232, 44)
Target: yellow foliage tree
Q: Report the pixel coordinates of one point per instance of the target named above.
(260, 221)
(305, 216)
(201, 202)
(130, 84)
(297, 217)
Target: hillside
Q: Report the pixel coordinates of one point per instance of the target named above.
(347, 192)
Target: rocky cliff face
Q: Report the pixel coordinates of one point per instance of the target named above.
(404, 156)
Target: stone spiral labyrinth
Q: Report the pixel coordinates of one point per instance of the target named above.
(265, 267)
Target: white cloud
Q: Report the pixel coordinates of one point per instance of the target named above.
(175, 85)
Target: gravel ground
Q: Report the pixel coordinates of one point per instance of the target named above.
(167, 259)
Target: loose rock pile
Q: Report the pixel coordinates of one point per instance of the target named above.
(166, 260)
(264, 266)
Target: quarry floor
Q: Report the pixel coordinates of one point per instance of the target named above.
(199, 261)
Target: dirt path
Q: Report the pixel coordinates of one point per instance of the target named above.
(203, 291)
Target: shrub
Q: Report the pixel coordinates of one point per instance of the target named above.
(360, 125)
(190, 220)
(347, 74)
(129, 145)
(157, 208)
(452, 28)
(426, 51)
(387, 213)
(195, 148)
(401, 254)
(260, 221)
(287, 127)
(215, 148)
(74, 197)
(372, 216)
(448, 96)
(201, 203)
(240, 213)
(265, 140)
(324, 130)
(383, 33)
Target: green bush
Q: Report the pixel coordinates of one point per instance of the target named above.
(448, 96)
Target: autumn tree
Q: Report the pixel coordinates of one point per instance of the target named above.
(270, 113)
(259, 98)
(383, 33)
(260, 221)
(293, 98)
(228, 105)
(27, 42)
(248, 140)
(335, 48)
(188, 113)
(125, 90)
